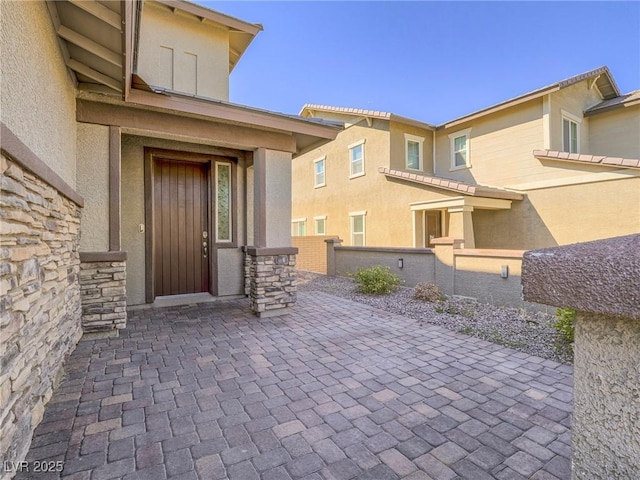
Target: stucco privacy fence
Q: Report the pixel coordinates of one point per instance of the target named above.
(601, 281)
(487, 275)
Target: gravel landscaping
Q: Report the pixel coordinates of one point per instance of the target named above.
(520, 329)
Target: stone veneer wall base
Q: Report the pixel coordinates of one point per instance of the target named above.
(39, 301)
(103, 291)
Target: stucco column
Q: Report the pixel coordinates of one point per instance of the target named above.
(272, 198)
(445, 266)
(599, 280)
(332, 243)
(461, 225)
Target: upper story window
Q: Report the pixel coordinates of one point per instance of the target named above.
(460, 157)
(321, 225)
(413, 151)
(299, 227)
(319, 172)
(356, 159)
(570, 132)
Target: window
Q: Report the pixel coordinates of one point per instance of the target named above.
(460, 149)
(318, 170)
(413, 151)
(570, 139)
(321, 225)
(299, 227)
(223, 202)
(357, 228)
(356, 159)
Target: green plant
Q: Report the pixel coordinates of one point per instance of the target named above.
(565, 323)
(377, 280)
(428, 292)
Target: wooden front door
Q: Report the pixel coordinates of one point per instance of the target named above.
(181, 226)
(431, 226)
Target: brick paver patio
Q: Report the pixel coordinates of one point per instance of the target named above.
(336, 390)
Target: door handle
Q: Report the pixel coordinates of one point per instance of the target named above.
(204, 247)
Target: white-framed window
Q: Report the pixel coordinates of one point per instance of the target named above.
(320, 224)
(358, 228)
(356, 159)
(570, 133)
(298, 227)
(413, 151)
(319, 179)
(460, 152)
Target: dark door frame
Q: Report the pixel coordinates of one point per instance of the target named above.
(226, 155)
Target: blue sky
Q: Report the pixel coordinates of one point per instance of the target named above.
(432, 61)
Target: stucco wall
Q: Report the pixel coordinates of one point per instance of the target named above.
(278, 199)
(93, 185)
(500, 147)
(33, 71)
(479, 276)
(574, 100)
(563, 215)
(606, 398)
(179, 52)
(418, 265)
(616, 133)
(398, 146)
(133, 215)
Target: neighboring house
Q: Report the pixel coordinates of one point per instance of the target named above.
(554, 166)
(127, 175)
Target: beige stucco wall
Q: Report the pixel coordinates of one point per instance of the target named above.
(398, 146)
(33, 72)
(616, 133)
(181, 53)
(563, 215)
(500, 147)
(606, 417)
(389, 219)
(93, 185)
(574, 100)
(133, 215)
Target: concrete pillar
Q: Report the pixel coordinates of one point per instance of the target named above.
(445, 263)
(461, 225)
(272, 198)
(599, 280)
(331, 255)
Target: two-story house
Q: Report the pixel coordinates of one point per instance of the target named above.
(553, 166)
(127, 175)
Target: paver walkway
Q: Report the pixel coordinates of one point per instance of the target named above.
(336, 390)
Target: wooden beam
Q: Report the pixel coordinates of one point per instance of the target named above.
(99, 11)
(53, 13)
(93, 74)
(89, 45)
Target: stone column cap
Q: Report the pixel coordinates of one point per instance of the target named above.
(333, 240)
(447, 241)
(601, 276)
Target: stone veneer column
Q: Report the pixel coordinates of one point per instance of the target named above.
(272, 280)
(103, 291)
(601, 281)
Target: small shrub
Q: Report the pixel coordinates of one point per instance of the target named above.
(428, 292)
(564, 323)
(377, 280)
